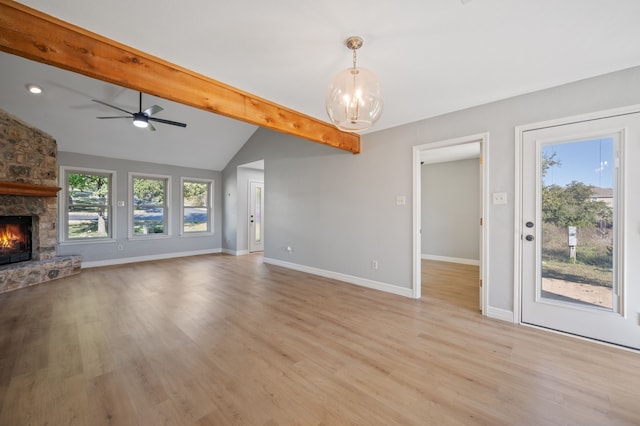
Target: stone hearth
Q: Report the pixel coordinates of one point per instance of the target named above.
(28, 184)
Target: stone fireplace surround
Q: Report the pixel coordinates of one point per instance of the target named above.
(28, 187)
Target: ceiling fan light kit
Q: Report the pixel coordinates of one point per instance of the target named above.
(142, 118)
(354, 98)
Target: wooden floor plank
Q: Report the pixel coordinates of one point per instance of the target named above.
(217, 339)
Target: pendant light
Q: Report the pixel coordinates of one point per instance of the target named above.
(354, 97)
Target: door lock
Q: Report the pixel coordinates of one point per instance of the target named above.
(529, 224)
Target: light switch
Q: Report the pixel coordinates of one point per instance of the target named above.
(499, 198)
(401, 200)
(120, 203)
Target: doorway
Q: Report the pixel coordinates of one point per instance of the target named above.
(574, 222)
(474, 146)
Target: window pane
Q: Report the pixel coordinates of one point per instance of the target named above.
(196, 194)
(148, 220)
(196, 219)
(88, 205)
(88, 222)
(196, 205)
(578, 228)
(148, 192)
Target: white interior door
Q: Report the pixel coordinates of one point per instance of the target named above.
(256, 216)
(580, 229)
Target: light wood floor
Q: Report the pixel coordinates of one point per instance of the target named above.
(221, 340)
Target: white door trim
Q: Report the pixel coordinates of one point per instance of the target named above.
(417, 207)
(518, 231)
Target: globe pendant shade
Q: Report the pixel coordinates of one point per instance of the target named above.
(354, 99)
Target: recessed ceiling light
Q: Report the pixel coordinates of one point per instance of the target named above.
(34, 88)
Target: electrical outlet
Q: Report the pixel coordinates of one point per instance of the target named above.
(290, 249)
(120, 247)
(374, 264)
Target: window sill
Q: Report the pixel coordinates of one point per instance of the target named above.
(148, 237)
(196, 234)
(87, 241)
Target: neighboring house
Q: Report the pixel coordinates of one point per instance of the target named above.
(602, 194)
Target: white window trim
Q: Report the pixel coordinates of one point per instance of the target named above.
(167, 202)
(210, 182)
(63, 206)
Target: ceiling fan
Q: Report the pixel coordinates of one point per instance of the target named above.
(142, 118)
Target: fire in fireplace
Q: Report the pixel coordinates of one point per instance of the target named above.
(15, 239)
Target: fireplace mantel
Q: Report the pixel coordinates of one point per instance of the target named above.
(28, 189)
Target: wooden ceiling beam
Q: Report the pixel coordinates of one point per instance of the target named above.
(37, 36)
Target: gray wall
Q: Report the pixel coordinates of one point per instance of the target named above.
(451, 209)
(338, 210)
(96, 251)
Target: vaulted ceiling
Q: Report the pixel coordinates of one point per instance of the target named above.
(432, 56)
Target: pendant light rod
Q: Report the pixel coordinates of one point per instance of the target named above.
(354, 43)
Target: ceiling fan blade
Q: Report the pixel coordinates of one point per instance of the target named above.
(173, 123)
(122, 116)
(150, 127)
(112, 106)
(154, 109)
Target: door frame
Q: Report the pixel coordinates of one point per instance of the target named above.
(518, 212)
(417, 211)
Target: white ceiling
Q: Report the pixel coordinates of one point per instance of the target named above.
(432, 56)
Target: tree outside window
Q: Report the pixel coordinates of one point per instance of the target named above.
(88, 201)
(149, 204)
(196, 206)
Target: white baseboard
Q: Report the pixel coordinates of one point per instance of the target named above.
(235, 252)
(122, 261)
(451, 259)
(362, 282)
(500, 314)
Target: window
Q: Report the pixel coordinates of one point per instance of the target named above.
(87, 211)
(196, 206)
(149, 214)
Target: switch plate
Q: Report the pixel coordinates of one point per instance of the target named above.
(401, 200)
(120, 203)
(499, 198)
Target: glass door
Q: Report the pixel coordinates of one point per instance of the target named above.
(256, 216)
(575, 216)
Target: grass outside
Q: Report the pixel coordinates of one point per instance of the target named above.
(89, 228)
(195, 227)
(594, 256)
(86, 229)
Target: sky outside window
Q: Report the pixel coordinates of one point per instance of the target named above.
(588, 161)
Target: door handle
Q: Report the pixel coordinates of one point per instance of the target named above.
(529, 238)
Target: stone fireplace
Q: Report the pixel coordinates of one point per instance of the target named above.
(28, 188)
